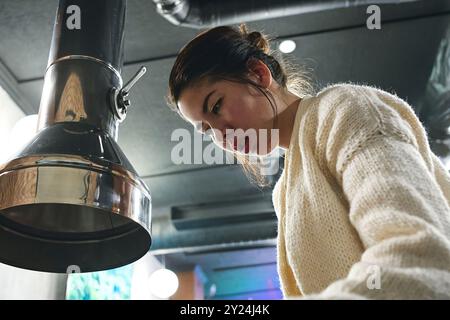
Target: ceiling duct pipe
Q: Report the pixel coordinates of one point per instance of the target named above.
(208, 14)
(244, 223)
(70, 200)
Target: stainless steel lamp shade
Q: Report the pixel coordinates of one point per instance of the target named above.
(71, 199)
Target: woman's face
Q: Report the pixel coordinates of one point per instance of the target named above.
(240, 116)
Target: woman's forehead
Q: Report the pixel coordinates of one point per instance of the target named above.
(192, 98)
(191, 101)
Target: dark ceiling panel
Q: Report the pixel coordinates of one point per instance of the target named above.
(25, 32)
(397, 58)
(149, 36)
(214, 184)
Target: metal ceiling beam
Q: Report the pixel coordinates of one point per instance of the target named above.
(10, 84)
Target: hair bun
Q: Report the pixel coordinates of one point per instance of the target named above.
(256, 39)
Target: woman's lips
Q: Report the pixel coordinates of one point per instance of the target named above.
(246, 147)
(225, 143)
(232, 142)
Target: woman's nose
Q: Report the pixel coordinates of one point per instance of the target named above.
(214, 130)
(205, 128)
(217, 134)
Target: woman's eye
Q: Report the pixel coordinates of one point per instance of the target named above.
(216, 107)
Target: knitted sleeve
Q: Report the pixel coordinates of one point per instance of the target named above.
(378, 152)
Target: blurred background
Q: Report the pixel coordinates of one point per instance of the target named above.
(213, 228)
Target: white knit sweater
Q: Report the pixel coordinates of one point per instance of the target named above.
(363, 203)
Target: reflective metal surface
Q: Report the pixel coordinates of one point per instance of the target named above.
(77, 90)
(120, 97)
(86, 208)
(71, 199)
(100, 34)
(81, 57)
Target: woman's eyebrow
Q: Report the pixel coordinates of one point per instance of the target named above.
(205, 102)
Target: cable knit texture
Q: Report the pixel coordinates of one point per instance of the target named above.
(362, 203)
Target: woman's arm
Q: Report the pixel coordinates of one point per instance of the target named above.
(396, 204)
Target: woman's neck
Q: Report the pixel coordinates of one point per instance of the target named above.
(286, 117)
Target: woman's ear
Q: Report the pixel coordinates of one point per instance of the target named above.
(260, 73)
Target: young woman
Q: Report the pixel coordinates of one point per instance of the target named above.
(362, 203)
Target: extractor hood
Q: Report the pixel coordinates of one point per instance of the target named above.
(70, 200)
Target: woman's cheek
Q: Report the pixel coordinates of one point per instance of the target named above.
(240, 115)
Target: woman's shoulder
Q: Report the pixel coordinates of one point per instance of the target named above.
(345, 89)
(361, 110)
(349, 97)
(337, 100)
(355, 90)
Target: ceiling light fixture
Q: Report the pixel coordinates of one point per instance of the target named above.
(287, 46)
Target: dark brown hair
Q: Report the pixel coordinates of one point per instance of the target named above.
(224, 53)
